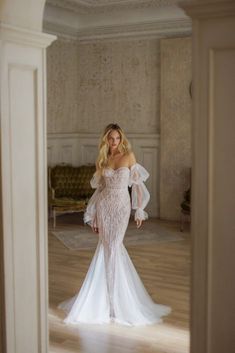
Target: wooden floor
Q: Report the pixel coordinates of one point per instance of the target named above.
(165, 270)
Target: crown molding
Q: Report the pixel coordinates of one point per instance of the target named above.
(206, 10)
(94, 6)
(69, 5)
(25, 37)
(153, 29)
(63, 31)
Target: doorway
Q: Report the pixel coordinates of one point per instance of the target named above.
(180, 250)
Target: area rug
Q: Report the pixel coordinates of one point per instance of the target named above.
(82, 238)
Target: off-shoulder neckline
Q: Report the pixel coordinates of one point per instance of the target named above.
(129, 168)
(118, 168)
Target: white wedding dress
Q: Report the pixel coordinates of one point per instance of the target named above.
(112, 290)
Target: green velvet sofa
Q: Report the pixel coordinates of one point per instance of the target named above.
(69, 189)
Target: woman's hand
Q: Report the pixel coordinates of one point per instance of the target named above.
(94, 226)
(95, 229)
(138, 223)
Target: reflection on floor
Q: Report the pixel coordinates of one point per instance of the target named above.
(165, 270)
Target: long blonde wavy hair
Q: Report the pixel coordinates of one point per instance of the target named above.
(123, 147)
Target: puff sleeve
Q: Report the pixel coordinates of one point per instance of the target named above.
(97, 183)
(139, 193)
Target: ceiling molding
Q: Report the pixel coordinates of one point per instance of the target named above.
(23, 36)
(156, 29)
(208, 9)
(60, 30)
(125, 22)
(103, 6)
(68, 5)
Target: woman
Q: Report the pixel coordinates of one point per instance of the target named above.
(112, 289)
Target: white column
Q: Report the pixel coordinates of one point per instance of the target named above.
(213, 206)
(24, 197)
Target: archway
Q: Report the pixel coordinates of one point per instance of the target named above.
(23, 170)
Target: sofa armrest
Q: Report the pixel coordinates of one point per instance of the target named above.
(51, 190)
(51, 194)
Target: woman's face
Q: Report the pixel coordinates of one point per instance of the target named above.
(114, 139)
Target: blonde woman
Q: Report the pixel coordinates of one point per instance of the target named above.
(112, 290)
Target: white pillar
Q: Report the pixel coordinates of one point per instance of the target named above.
(213, 218)
(24, 197)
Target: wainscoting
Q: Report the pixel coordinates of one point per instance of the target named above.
(81, 148)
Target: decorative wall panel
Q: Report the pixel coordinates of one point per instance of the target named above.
(221, 225)
(175, 161)
(88, 152)
(24, 268)
(67, 153)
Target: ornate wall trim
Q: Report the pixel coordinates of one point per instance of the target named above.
(23, 36)
(93, 6)
(151, 29)
(214, 9)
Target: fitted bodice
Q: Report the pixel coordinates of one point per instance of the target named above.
(117, 178)
(112, 188)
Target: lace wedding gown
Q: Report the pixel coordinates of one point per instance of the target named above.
(112, 289)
